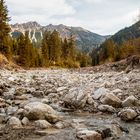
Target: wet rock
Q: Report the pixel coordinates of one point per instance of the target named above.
(105, 132)
(38, 111)
(106, 108)
(42, 124)
(25, 121)
(130, 101)
(75, 99)
(111, 99)
(116, 131)
(128, 114)
(14, 122)
(100, 92)
(89, 135)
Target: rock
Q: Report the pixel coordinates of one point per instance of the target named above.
(128, 114)
(106, 108)
(42, 124)
(25, 121)
(116, 91)
(130, 101)
(137, 119)
(11, 110)
(2, 117)
(99, 92)
(105, 132)
(22, 97)
(20, 91)
(61, 125)
(111, 99)
(14, 122)
(89, 135)
(75, 99)
(45, 101)
(61, 89)
(90, 101)
(39, 94)
(39, 111)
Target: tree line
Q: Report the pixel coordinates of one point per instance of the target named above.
(111, 51)
(53, 51)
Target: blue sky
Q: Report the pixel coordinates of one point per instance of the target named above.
(99, 16)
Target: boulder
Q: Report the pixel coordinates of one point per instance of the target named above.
(130, 101)
(111, 99)
(75, 99)
(128, 114)
(106, 108)
(14, 122)
(89, 135)
(42, 124)
(39, 111)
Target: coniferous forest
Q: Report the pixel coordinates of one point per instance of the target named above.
(55, 51)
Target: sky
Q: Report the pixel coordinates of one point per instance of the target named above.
(104, 17)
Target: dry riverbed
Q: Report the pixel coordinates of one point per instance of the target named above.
(69, 105)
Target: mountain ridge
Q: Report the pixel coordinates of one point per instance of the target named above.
(85, 39)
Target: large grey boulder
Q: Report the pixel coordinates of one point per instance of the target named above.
(128, 114)
(40, 111)
(99, 92)
(111, 99)
(75, 99)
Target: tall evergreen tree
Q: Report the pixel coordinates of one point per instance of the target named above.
(4, 29)
(55, 47)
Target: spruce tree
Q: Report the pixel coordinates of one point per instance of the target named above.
(4, 29)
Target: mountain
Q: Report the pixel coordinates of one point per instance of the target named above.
(85, 40)
(125, 34)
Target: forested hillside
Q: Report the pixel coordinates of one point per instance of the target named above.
(51, 51)
(121, 45)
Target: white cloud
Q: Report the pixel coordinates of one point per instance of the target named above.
(38, 9)
(100, 16)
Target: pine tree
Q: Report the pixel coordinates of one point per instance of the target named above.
(45, 50)
(4, 29)
(65, 52)
(71, 49)
(54, 47)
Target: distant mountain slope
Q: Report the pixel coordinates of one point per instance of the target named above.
(85, 40)
(125, 34)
